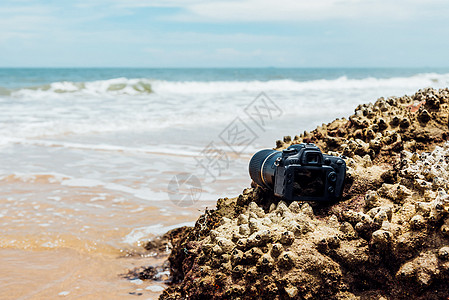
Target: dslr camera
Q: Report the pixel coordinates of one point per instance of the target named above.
(299, 173)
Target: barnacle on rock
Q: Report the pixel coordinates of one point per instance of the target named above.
(287, 238)
(381, 239)
(371, 199)
(417, 222)
(287, 259)
(276, 249)
(443, 253)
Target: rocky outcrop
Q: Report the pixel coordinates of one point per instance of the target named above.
(387, 239)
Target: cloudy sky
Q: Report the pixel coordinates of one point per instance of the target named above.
(224, 33)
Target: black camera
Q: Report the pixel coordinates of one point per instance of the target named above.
(299, 173)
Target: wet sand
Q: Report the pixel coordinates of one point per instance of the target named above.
(68, 241)
(68, 273)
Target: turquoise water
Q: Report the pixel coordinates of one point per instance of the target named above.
(13, 78)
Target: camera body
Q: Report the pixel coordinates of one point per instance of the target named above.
(299, 173)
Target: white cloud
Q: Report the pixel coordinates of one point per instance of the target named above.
(223, 11)
(287, 10)
(24, 22)
(103, 32)
(296, 10)
(156, 3)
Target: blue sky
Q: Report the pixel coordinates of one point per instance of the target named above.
(224, 33)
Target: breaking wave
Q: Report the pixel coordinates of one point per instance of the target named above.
(341, 83)
(143, 86)
(117, 86)
(139, 105)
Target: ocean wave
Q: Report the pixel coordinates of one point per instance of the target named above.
(285, 85)
(144, 86)
(38, 178)
(142, 233)
(117, 86)
(161, 149)
(4, 91)
(188, 151)
(66, 108)
(66, 180)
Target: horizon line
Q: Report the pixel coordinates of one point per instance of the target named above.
(237, 67)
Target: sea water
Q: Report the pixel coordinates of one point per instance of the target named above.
(91, 159)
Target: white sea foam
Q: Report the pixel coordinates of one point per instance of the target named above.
(155, 288)
(66, 180)
(137, 86)
(160, 149)
(117, 86)
(423, 80)
(82, 182)
(140, 193)
(50, 177)
(67, 108)
(64, 293)
(138, 234)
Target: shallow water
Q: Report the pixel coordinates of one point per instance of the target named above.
(87, 157)
(69, 273)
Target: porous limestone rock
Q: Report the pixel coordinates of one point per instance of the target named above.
(387, 239)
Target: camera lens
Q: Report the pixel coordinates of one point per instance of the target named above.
(261, 167)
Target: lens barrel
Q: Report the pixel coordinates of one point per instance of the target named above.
(262, 168)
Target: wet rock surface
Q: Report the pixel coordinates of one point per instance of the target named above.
(387, 239)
